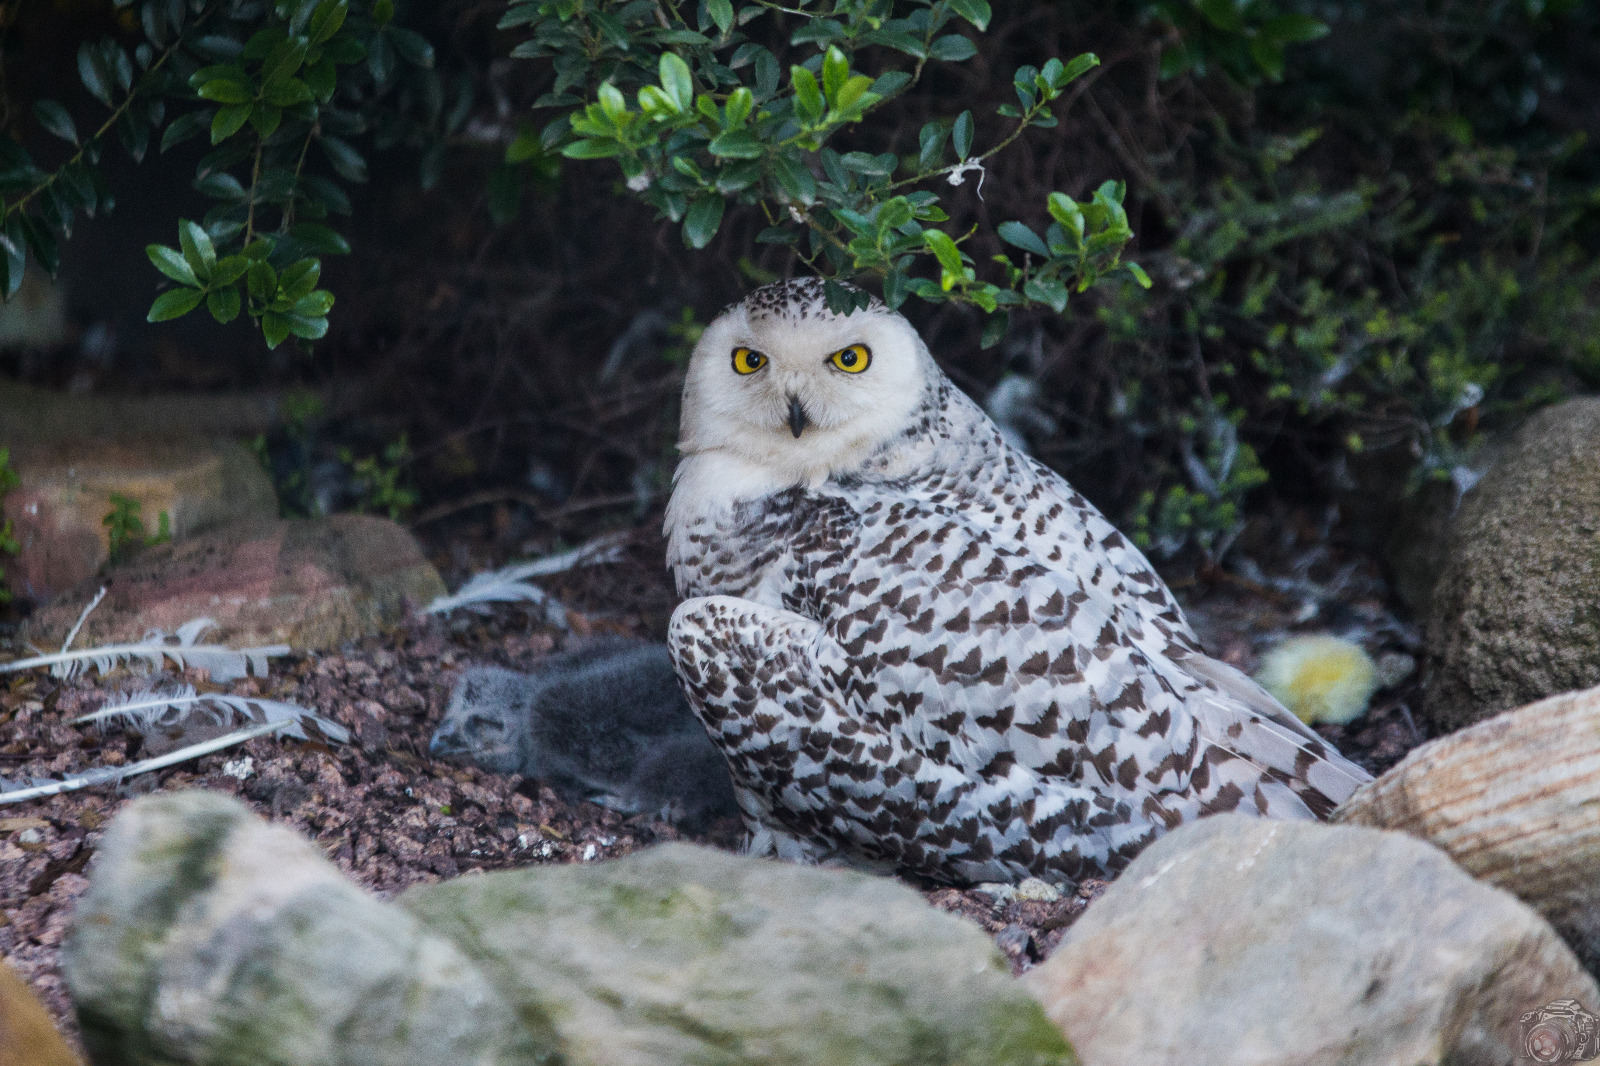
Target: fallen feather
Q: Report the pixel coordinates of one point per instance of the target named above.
(147, 711)
(510, 584)
(108, 774)
(222, 663)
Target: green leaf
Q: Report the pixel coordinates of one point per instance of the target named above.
(931, 141)
(994, 331)
(263, 280)
(1223, 14)
(412, 46)
(16, 255)
(183, 127)
(952, 48)
(721, 12)
(944, 249)
(316, 237)
(229, 269)
(1020, 236)
(592, 148)
(223, 304)
(54, 118)
(701, 221)
(299, 278)
(314, 304)
(612, 103)
(283, 61)
(677, 80)
(225, 91)
(197, 249)
(274, 328)
(326, 20)
(264, 119)
(852, 95)
(961, 135)
(174, 303)
(228, 120)
(795, 180)
(1138, 274)
(974, 11)
(94, 76)
(807, 97)
(736, 144)
(287, 92)
(1076, 69)
(1295, 29)
(1066, 211)
(1268, 56)
(344, 159)
(740, 103)
(171, 263)
(306, 326)
(835, 69)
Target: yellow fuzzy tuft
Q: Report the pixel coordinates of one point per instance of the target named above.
(1320, 679)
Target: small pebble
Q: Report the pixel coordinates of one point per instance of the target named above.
(239, 768)
(29, 836)
(1032, 888)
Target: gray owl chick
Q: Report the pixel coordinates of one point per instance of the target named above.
(606, 723)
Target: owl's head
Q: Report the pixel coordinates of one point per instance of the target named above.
(783, 384)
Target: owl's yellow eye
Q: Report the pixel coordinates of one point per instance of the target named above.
(852, 360)
(747, 361)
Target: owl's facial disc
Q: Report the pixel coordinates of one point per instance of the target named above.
(802, 395)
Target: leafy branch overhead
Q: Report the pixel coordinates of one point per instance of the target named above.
(698, 115)
(280, 90)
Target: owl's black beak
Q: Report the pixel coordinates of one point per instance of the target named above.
(797, 417)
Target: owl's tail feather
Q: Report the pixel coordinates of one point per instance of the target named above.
(1242, 717)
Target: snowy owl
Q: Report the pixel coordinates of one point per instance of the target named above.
(920, 649)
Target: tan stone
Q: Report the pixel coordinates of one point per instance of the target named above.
(26, 1036)
(1239, 941)
(311, 584)
(1515, 800)
(59, 507)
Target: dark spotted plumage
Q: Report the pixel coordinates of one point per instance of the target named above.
(944, 660)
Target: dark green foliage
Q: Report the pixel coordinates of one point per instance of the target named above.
(280, 90)
(127, 531)
(1366, 229)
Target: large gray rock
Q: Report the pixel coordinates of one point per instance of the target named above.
(309, 583)
(207, 936)
(1236, 941)
(1516, 612)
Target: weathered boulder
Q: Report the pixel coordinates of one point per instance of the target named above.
(311, 583)
(26, 1036)
(1515, 800)
(1516, 612)
(1237, 941)
(63, 495)
(209, 936)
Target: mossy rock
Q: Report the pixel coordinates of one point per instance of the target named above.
(1516, 613)
(208, 936)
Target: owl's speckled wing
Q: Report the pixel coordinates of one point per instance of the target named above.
(927, 695)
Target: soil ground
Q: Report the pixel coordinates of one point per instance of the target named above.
(391, 817)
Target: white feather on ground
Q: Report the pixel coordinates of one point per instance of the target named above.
(222, 663)
(146, 711)
(510, 584)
